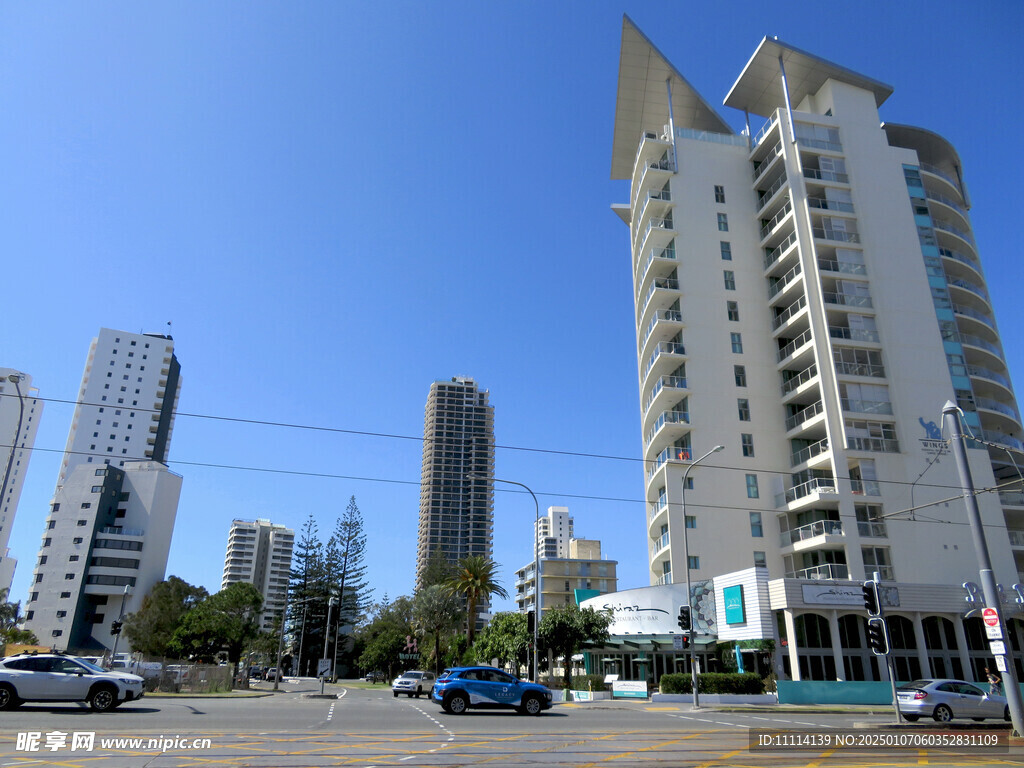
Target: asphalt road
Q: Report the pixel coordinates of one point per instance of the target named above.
(371, 728)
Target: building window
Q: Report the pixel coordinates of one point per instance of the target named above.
(743, 407)
(747, 441)
(739, 373)
(72, 558)
(729, 278)
(39, 578)
(719, 193)
(723, 223)
(61, 614)
(691, 521)
(65, 595)
(42, 560)
(732, 311)
(83, 523)
(756, 529)
(47, 542)
(69, 577)
(877, 559)
(760, 560)
(752, 492)
(51, 525)
(693, 561)
(726, 249)
(737, 342)
(86, 504)
(57, 633)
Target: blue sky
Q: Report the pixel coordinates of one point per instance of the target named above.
(337, 203)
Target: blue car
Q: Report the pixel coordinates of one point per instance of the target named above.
(461, 688)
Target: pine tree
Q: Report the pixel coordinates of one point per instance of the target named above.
(306, 619)
(352, 589)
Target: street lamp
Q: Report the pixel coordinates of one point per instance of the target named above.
(537, 600)
(15, 379)
(686, 560)
(280, 642)
(327, 639)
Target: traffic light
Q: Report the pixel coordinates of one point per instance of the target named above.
(685, 623)
(686, 642)
(115, 627)
(531, 620)
(871, 601)
(878, 637)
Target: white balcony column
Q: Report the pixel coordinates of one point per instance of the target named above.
(961, 647)
(837, 646)
(794, 657)
(922, 645)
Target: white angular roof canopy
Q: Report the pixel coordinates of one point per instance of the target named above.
(642, 101)
(758, 89)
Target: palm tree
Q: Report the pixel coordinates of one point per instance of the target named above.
(476, 580)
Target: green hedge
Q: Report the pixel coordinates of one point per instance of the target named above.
(713, 682)
(588, 682)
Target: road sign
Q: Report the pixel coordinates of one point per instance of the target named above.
(992, 629)
(323, 667)
(677, 642)
(1001, 663)
(998, 648)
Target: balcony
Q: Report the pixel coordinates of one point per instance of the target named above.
(115, 531)
(835, 235)
(818, 530)
(828, 571)
(977, 341)
(1011, 498)
(808, 453)
(994, 405)
(799, 380)
(657, 225)
(800, 417)
(777, 219)
(789, 312)
(817, 486)
(791, 348)
(847, 299)
(666, 255)
(852, 334)
(860, 369)
(1003, 439)
(935, 171)
(665, 578)
(843, 267)
(671, 350)
(815, 173)
(984, 373)
(660, 543)
(654, 171)
(963, 258)
(665, 383)
(866, 406)
(773, 255)
(778, 285)
(656, 509)
(1016, 537)
(763, 198)
(667, 418)
(873, 444)
(762, 167)
(824, 204)
(670, 318)
(765, 129)
(945, 226)
(974, 314)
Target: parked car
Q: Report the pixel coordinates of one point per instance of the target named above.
(413, 683)
(273, 675)
(944, 700)
(374, 677)
(57, 677)
(460, 688)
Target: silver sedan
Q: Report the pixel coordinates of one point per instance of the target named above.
(945, 699)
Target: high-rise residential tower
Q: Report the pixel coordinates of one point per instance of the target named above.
(20, 411)
(109, 529)
(456, 510)
(554, 532)
(260, 553)
(809, 294)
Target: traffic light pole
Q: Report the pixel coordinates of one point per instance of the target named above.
(119, 625)
(880, 645)
(951, 417)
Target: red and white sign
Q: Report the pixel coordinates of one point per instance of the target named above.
(990, 616)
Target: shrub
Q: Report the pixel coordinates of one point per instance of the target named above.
(588, 682)
(713, 682)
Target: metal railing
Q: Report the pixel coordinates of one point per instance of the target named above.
(814, 485)
(944, 226)
(773, 153)
(860, 369)
(777, 218)
(824, 204)
(770, 257)
(782, 282)
(765, 129)
(811, 531)
(872, 529)
(663, 348)
(853, 334)
(668, 417)
(844, 267)
(815, 173)
(789, 312)
(769, 193)
(866, 406)
(846, 299)
(981, 317)
(828, 571)
(985, 373)
(672, 382)
(836, 235)
(873, 444)
(801, 378)
(800, 417)
(808, 453)
(994, 405)
(865, 487)
(794, 345)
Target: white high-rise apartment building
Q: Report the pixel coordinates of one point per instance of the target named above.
(20, 411)
(553, 532)
(109, 529)
(260, 553)
(809, 294)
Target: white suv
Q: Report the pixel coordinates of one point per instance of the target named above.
(55, 677)
(413, 683)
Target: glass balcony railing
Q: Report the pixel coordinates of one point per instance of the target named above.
(977, 341)
(1001, 438)
(828, 571)
(794, 345)
(975, 314)
(853, 334)
(665, 578)
(866, 406)
(800, 379)
(783, 281)
(814, 173)
(1016, 537)
(871, 529)
(845, 267)
(770, 257)
(788, 312)
(873, 444)
(824, 204)
(1011, 498)
(661, 315)
(860, 369)
(865, 487)
(663, 348)
(970, 261)
(776, 219)
(945, 226)
(994, 405)
(846, 299)
(660, 283)
(765, 129)
(831, 146)
(763, 166)
(935, 170)
(123, 531)
(808, 453)
(811, 531)
(768, 194)
(668, 417)
(955, 205)
(665, 382)
(972, 287)
(661, 542)
(985, 373)
(800, 417)
(656, 509)
(836, 235)
(817, 485)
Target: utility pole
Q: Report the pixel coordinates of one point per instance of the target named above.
(116, 625)
(997, 633)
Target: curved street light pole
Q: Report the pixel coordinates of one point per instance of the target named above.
(686, 565)
(537, 600)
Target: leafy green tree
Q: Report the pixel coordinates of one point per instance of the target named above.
(506, 638)
(151, 628)
(435, 614)
(475, 580)
(386, 635)
(565, 629)
(10, 617)
(437, 570)
(352, 589)
(226, 621)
